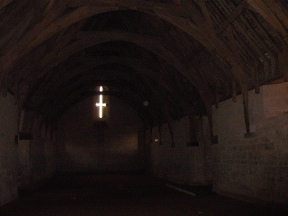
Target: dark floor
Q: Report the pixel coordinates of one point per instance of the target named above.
(123, 194)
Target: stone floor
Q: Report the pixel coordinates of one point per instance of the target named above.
(125, 195)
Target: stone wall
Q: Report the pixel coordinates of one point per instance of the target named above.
(42, 151)
(8, 150)
(181, 164)
(253, 166)
(81, 147)
(36, 156)
(23, 163)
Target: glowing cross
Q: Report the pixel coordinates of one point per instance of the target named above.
(100, 104)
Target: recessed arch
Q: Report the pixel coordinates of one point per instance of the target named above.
(149, 43)
(89, 74)
(136, 64)
(75, 92)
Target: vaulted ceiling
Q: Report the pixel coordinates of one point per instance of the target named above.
(182, 56)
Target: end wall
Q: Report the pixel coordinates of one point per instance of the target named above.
(79, 142)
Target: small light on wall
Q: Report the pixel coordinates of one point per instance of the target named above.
(156, 140)
(145, 103)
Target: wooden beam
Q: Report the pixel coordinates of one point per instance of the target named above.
(92, 62)
(84, 40)
(12, 14)
(216, 92)
(251, 41)
(85, 83)
(256, 77)
(76, 89)
(173, 144)
(183, 97)
(234, 90)
(16, 32)
(177, 2)
(280, 12)
(43, 31)
(216, 13)
(234, 46)
(213, 43)
(283, 64)
(207, 15)
(4, 3)
(51, 25)
(261, 7)
(135, 64)
(255, 35)
(140, 5)
(264, 34)
(244, 87)
(38, 35)
(49, 6)
(92, 39)
(232, 17)
(196, 15)
(159, 127)
(246, 110)
(193, 127)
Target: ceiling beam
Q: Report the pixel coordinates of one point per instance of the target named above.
(239, 9)
(4, 3)
(276, 18)
(140, 5)
(142, 72)
(89, 63)
(80, 90)
(86, 40)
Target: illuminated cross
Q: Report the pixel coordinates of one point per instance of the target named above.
(100, 104)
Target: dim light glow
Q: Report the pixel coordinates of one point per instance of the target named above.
(100, 104)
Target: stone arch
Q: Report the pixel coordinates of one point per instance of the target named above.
(31, 40)
(148, 43)
(137, 65)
